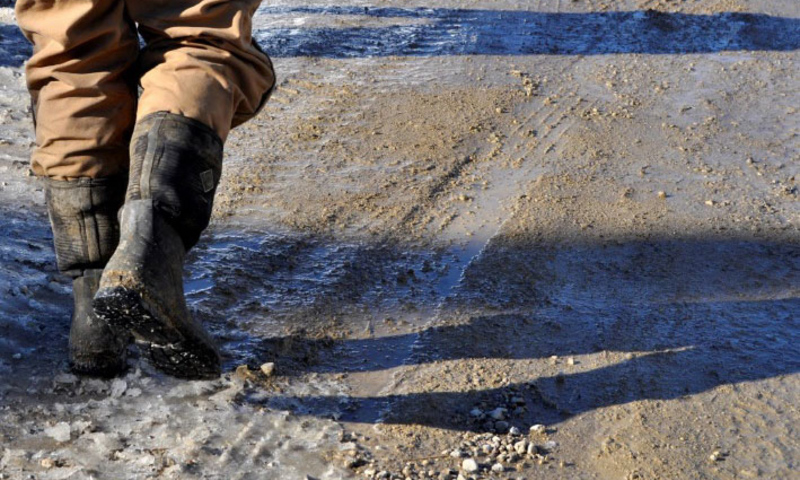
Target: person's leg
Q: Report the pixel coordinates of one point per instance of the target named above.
(83, 216)
(79, 78)
(201, 75)
(201, 62)
(84, 108)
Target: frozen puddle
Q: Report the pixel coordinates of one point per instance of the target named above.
(54, 425)
(141, 427)
(268, 298)
(363, 31)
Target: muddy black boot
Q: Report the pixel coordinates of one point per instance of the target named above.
(176, 164)
(83, 215)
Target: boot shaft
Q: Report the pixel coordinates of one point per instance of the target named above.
(176, 162)
(83, 216)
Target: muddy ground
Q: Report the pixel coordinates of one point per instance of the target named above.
(456, 221)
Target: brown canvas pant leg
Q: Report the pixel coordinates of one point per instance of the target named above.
(79, 77)
(200, 61)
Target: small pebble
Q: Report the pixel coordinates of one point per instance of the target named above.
(662, 194)
(513, 431)
(469, 465)
(268, 369)
(498, 414)
(498, 468)
(550, 444)
(538, 428)
(521, 447)
(532, 450)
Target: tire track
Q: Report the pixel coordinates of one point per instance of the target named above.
(560, 119)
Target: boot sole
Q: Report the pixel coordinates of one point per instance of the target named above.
(104, 368)
(169, 349)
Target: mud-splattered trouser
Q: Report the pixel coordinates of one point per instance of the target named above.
(199, 61)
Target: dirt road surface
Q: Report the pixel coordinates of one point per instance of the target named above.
(477, 239)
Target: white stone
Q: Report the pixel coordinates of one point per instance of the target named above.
(532, 450)
(498, 468)
(268, 369)
(469, 465)
(538, 428)
(521, 447)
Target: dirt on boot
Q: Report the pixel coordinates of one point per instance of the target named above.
(142, 292)
(94, 349)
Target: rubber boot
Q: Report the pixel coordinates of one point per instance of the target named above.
(94, 349)
(83, 216)
(176, 164)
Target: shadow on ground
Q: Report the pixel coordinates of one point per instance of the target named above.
(691, 314)
(436, 31)
(14, 48)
